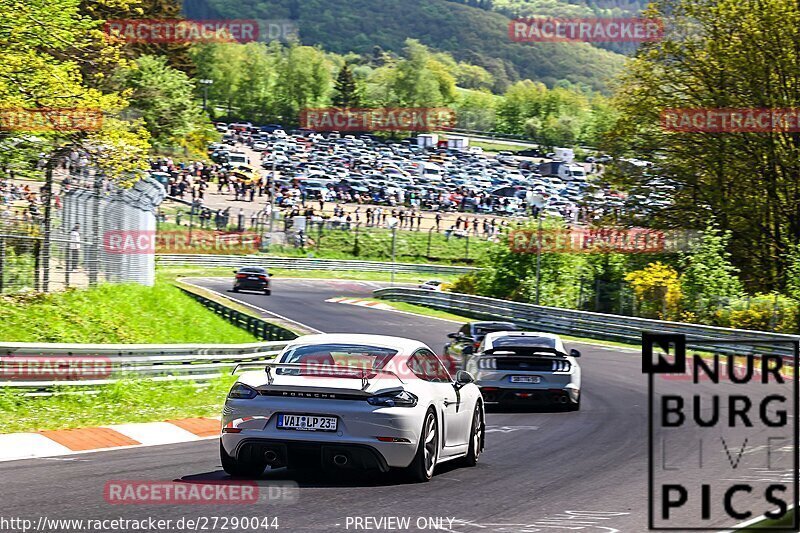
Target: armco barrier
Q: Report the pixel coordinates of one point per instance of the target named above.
(586, 324)
(301, 263)
(258, 327)
(197, 362)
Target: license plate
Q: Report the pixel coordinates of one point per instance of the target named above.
(307, 422)
(252, 277)
(525, 379)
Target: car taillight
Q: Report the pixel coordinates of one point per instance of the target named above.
(476, 344)
(561, 366)
(262, 278)
(241, 276)
(487, 363)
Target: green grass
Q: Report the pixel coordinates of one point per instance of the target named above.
(498, 146)
(369, 244)
(375, 244)
(109, 313)
(122, 402)
(773, 525)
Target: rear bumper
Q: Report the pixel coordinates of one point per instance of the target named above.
(251, 285)
(530, 396)
(359, 427)
(303, 454)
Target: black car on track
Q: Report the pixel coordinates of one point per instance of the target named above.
(252, 279)
(467, 339)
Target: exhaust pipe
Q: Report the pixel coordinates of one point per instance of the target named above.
(340, 460)
(563, 399)
(270, 456)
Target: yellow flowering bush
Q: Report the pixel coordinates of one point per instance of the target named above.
(657, 288)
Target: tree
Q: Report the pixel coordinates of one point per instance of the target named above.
(177, 53)
(722, 54)
(47, 45)
(346, 90)
(165, 98)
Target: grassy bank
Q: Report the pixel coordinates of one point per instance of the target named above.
(122, 402)
(109, 313)
(368, 244)
(375, 244)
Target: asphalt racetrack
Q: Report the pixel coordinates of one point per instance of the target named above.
(542, 471)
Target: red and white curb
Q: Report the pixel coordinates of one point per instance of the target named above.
(361, 302)
(51, 443)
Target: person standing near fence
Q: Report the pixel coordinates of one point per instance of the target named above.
(74, 247)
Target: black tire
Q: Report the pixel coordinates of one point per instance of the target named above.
(267, 292)
(421, 468)
(477, 435)
(235, 289)
(575, 406)
(236, 468)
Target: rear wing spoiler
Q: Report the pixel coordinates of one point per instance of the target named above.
(364, 374)
(524, 350)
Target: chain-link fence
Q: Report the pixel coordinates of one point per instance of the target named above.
(67, 244)
(377, 237)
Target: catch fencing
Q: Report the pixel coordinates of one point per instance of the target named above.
(587, 324)
(44, 250)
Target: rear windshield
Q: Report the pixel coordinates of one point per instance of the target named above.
(526, 342)
(253, 270)
(350, 355)
(488, 328)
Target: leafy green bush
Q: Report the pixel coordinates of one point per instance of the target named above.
(466, 284)
(762, 312)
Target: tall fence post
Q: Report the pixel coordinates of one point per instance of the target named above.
(94, 263)
(2, 262)
(47, 197)
(37, 264)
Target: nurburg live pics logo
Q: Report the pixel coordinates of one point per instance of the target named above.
(723, 443)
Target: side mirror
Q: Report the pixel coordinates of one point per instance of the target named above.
(235, 271)
(463, 378)
(452, 335)
(574, 353)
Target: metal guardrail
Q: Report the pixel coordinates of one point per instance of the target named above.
(301, 263)
(258, 327)
(592, 325)
(43, 366)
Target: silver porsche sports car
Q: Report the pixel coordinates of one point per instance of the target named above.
(347, 401)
